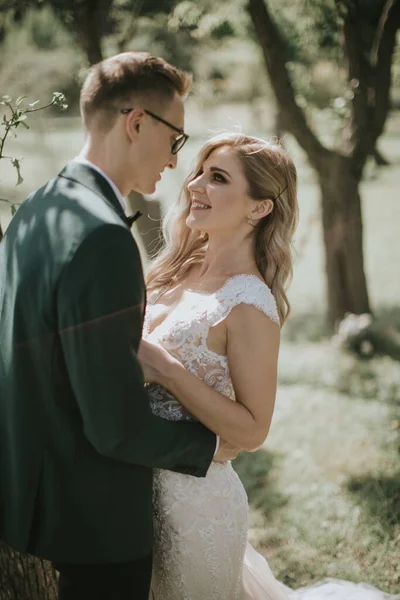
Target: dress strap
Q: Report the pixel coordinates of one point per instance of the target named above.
(247, 289)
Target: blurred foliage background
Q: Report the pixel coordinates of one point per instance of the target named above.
(325, 490)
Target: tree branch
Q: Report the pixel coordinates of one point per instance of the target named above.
(369, 66)
(128, 34)
(275, 56)
(2, 142)
(381, 60)
(387, 10)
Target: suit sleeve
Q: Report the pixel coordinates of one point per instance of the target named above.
(100, 302)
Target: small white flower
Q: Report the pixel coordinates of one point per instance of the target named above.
(366, 348)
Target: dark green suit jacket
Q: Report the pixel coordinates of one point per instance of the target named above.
(77, 438)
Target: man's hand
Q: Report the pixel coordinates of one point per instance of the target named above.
(226, 451)
(156, 362)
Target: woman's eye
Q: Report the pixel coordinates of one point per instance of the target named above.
(219, 177)
(199, 172)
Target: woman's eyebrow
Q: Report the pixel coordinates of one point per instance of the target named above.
(218, 169)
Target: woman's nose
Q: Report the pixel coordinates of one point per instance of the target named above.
(196, 184)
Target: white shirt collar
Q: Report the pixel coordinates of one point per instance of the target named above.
(116, 191)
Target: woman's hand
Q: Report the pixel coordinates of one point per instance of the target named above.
(156, 362)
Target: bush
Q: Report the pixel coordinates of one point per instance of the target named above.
(365, 337)
(38, 57)
(45, 31)
(37, 74)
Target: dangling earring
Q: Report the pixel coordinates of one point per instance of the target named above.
(252, 223)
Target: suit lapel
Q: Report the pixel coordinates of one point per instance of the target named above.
(94, 181)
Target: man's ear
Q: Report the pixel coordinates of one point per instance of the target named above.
(133, 123)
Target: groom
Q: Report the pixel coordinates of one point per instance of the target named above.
(77, 438)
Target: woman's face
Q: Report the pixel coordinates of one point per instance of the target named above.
(219, 194)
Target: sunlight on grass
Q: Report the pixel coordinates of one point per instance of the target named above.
(331, 460)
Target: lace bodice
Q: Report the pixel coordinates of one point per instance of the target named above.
(184, 333)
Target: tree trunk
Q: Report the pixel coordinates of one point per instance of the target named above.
(24, 577)
(89, 17)
(342, 226)
(339, 175)
(2, 27)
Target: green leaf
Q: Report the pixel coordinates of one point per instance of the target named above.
(33, 103)
(13, 209)
(20, 99)
(7, 98)
(59, 100)
(16, 164)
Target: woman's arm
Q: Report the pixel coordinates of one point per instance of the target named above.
(252, 350)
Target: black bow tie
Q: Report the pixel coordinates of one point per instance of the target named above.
(132, 218)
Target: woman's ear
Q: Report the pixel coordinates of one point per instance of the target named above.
(261, 209)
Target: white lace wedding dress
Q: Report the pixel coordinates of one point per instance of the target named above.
(201, 550)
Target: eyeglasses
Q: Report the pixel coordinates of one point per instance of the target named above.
(179, 141)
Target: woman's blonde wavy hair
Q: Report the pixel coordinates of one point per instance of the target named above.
(270, 173)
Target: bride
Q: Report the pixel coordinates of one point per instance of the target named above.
(216, 304)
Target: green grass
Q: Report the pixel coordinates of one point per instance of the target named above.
(325, 489)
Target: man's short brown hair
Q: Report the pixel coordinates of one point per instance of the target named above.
(129, 77)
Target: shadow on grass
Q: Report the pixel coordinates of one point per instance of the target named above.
(380, 498)
(366, 380)
(389, 316)
(314, 327)
(257, 473)
(307, 326)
